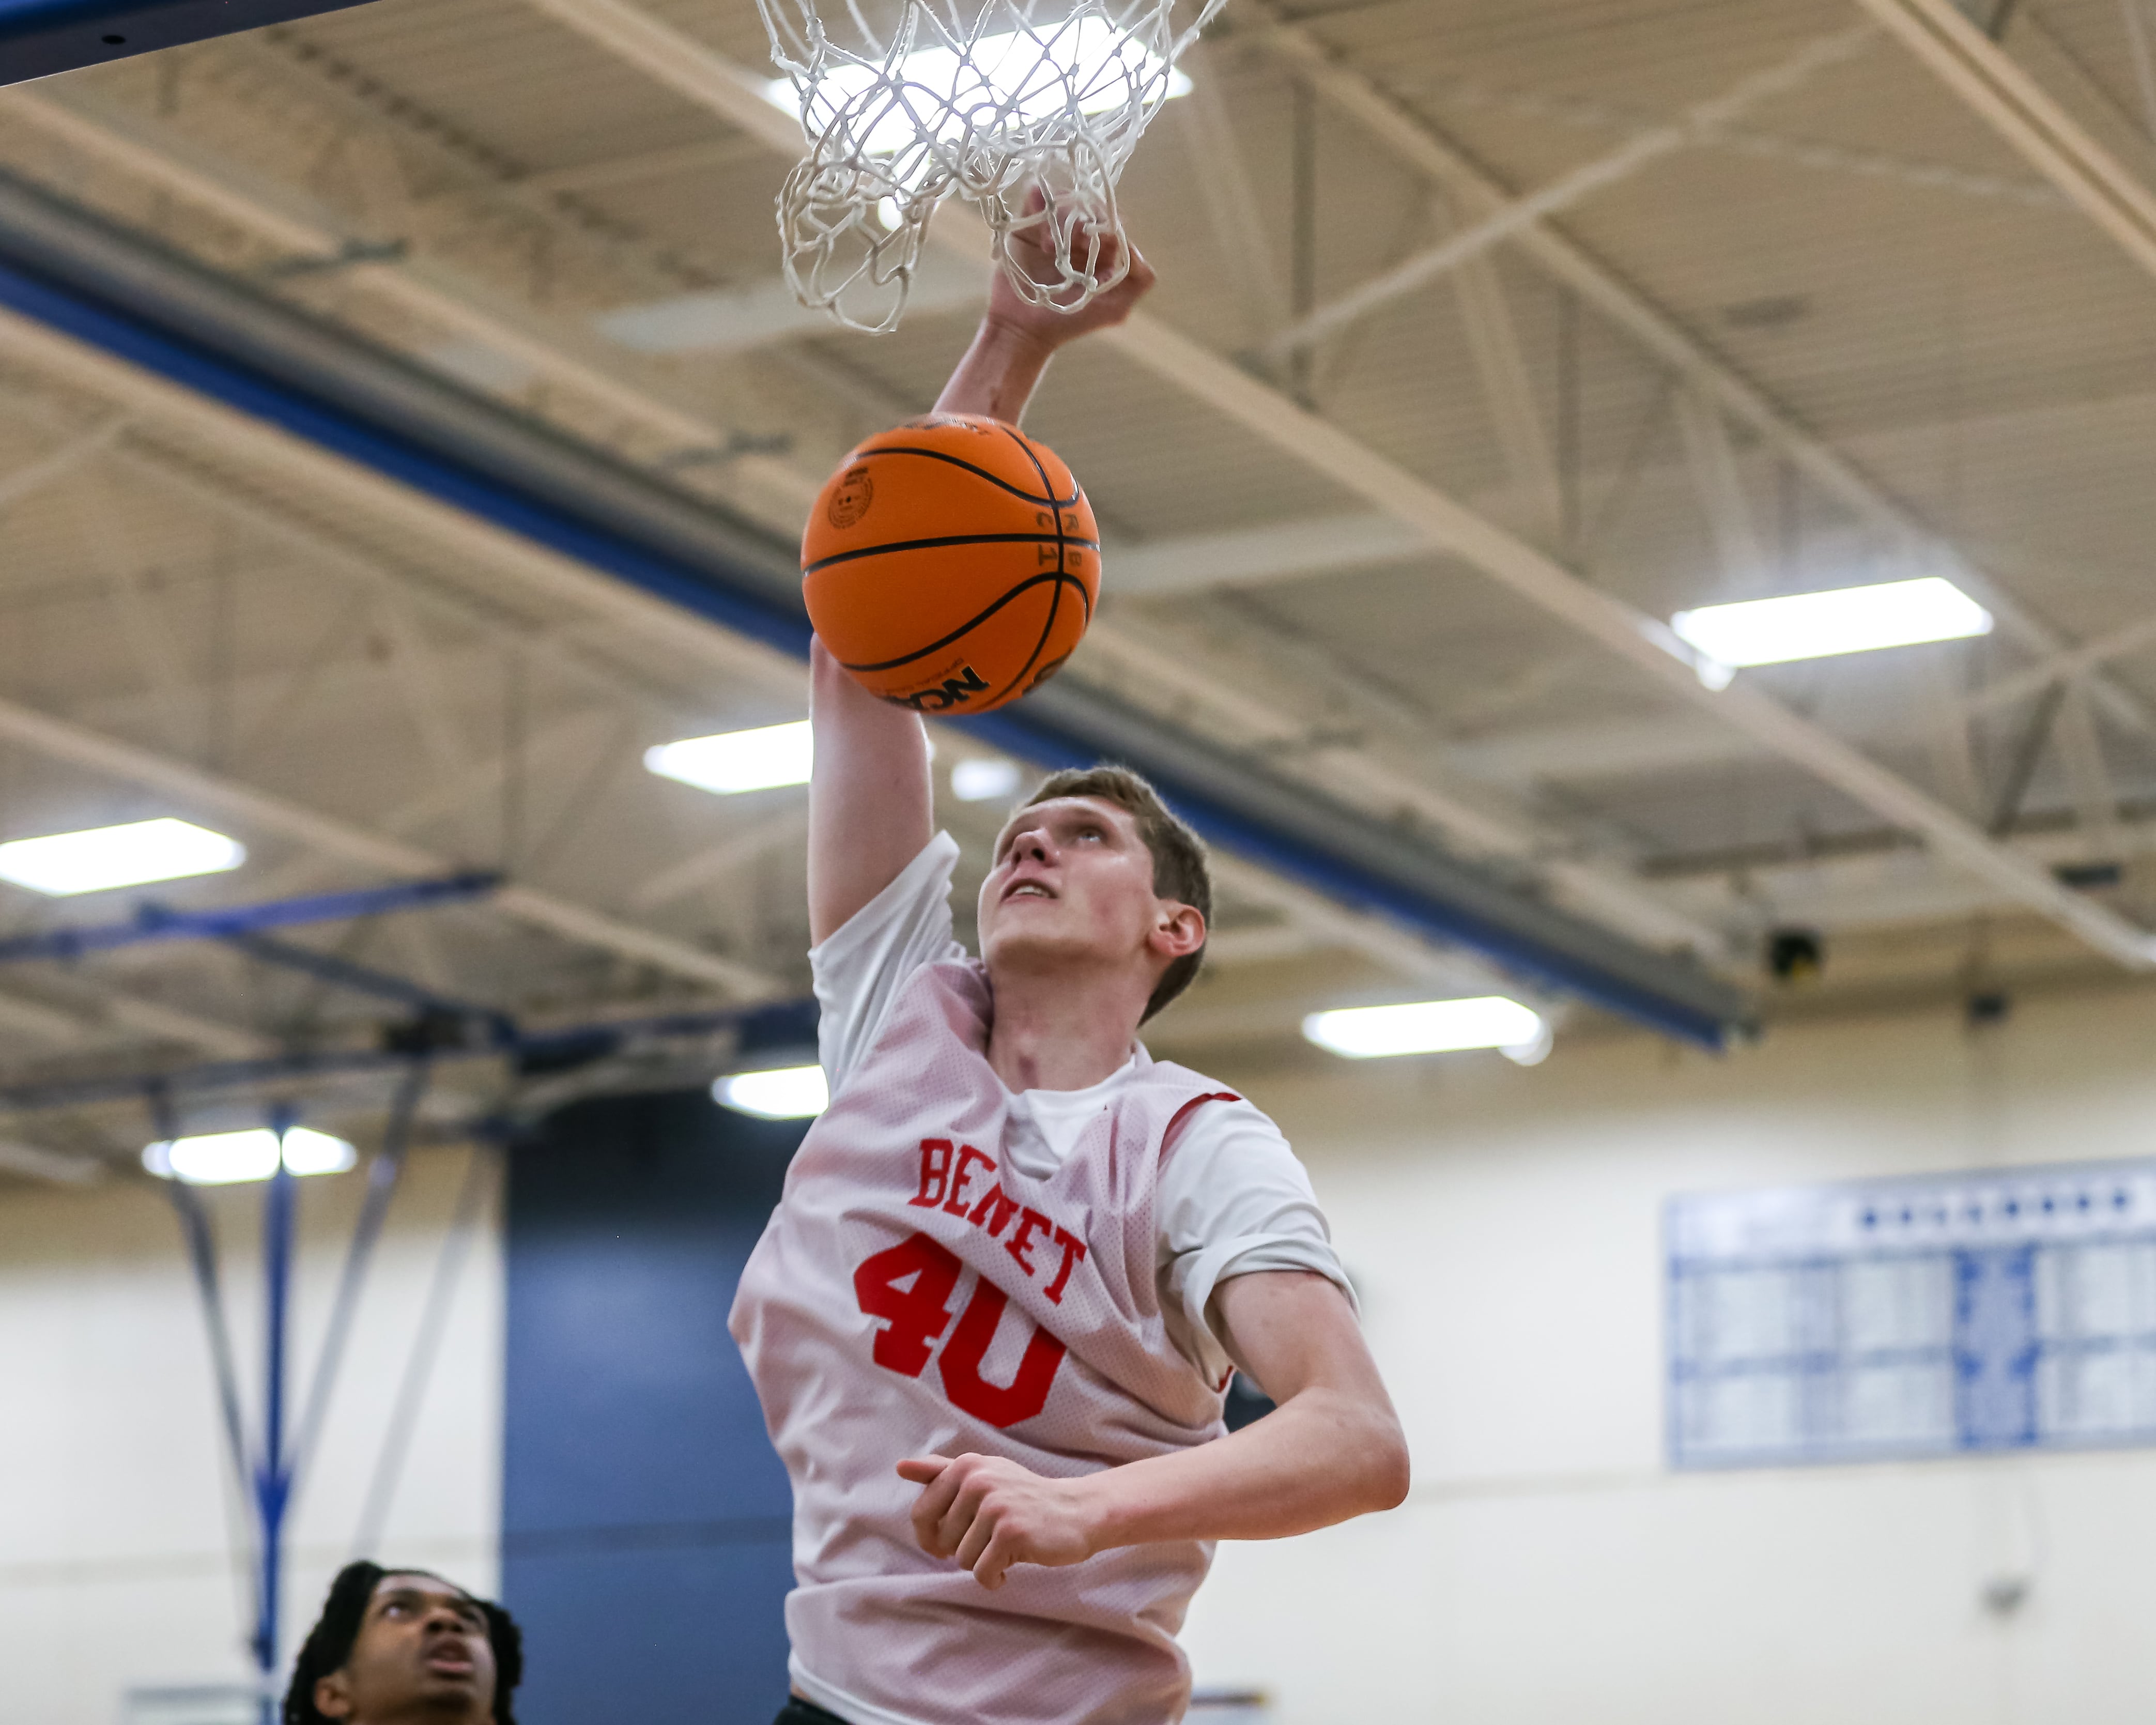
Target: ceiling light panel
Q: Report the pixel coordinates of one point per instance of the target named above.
(786, 1093)
(737, 761)
(102, 858)
(230, 1158)
(1365, 1033)
(1822, 625)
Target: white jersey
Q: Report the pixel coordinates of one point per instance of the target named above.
(919, 1292)
(1233, 1198)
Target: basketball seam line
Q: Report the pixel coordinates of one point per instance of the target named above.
(1060, 576)
(1050, 502)
(1062, 561)
(874, 551)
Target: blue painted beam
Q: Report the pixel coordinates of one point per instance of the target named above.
(114, 290)
(760, 1028)
(38, 37)
(161, 922)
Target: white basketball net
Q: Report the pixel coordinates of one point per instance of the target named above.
(1029, 117)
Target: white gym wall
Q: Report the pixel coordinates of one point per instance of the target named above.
(1549, 1568)
(116, 1571)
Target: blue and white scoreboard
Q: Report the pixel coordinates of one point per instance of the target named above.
(2004, 1309)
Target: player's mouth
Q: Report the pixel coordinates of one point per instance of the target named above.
(1027, 888)
(450, 1662)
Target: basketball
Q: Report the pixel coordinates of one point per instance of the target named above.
(952, 564)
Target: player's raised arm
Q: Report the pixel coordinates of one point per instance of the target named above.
(869, 805)
(1016, 339)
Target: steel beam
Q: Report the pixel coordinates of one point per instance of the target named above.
(159, 922)
(1415, 144)
(99, 284)
(1626, 160)
(38, 37)
(1979, 72)
(62, 740)
(166, 158)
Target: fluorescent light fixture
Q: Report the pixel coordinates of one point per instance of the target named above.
(106, 857)
(737, 761)
(785, 1093)
(1365, 1033)
(227, 1159)
(1848, 619)
(308, 1152)
(1022, 73)
(983, 781)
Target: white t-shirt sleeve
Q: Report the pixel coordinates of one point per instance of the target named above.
(859, 968)
(1232, 1200)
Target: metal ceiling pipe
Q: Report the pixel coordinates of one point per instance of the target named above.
(38, 37)
(116, 290)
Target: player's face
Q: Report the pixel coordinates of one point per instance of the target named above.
(422, 1651)
(1072, 883)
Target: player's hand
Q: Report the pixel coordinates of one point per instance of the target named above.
(989, 1513)
(1030, 250)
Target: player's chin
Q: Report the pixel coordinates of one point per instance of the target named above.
(1041, 936)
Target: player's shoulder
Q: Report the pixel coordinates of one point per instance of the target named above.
(1218, 1111)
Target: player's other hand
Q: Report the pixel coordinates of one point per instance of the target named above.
(989, 1514)
(1033, 251)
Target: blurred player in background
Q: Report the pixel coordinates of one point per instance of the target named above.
(405, 1647)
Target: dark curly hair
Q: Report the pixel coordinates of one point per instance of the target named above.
(329, 1643)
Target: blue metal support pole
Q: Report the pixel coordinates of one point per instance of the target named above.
(161, 922)
(273, 1478)
(787, 1023)
(201, 1260)
(383, 1174)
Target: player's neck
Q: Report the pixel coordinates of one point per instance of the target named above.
(1061, 1032)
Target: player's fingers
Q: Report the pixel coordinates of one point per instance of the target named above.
(967, 1556)
(994, 1561)
(964, 1511)
(922, 1470)
(931, 1506)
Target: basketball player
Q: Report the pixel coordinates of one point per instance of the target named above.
(992, 1318)
(405, 1647)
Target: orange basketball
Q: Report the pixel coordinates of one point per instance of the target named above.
(952, 564)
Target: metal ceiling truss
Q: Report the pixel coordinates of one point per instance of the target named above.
(100, 285)
(165, 158)
(1632, 157)
(1981, 74)
(1416, 145)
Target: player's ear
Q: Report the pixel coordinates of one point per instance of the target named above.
(1179, 930)
(333, 1696)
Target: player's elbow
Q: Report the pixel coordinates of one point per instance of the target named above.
(1386, 1470)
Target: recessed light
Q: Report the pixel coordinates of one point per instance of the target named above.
(783, 1093)
(1364, 1033)
(737, 761)
(1822, 625)
(102, 858)
(983, 781)
(228, 1158)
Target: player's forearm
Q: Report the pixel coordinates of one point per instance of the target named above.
(1322, 1456)
(998, 374)
(870, 808)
